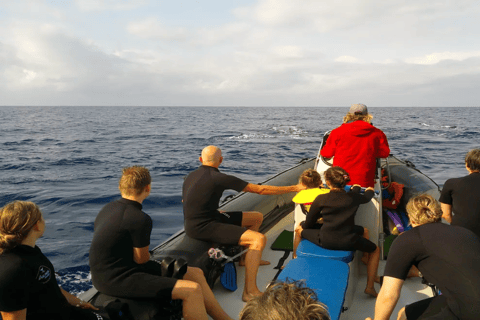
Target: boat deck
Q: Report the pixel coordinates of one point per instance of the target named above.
(363, 305)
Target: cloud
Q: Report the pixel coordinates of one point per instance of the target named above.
(440, 56)
(153, 29)
(104, 5)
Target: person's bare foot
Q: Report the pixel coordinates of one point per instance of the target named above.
(249, 296)
(371, 292)
(262, 263)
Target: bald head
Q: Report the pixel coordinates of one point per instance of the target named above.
(211, 156)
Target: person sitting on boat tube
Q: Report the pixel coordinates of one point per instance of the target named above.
(312, 180)
(447, 256)
(120, 261)
(28, 287)
(462, 196)
(356, 145)
(202, 190)
(339, 232)
(285, 301)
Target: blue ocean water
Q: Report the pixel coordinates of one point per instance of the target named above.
(68, 159)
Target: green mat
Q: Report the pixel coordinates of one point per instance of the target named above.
(284, 241)
(387, 244)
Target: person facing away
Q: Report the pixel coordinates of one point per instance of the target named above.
(339, 232)
(447, 256)
(356, 145)
(285, 301)
(120, 261)
(202, 190)
(28, 287)
(462, 196)
(312, 180)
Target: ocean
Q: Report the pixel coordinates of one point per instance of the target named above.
(68, 159)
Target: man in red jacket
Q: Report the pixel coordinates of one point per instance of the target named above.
(356, 145)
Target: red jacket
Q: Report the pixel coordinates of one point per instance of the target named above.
(356, 145)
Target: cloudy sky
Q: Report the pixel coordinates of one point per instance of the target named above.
(240, 53)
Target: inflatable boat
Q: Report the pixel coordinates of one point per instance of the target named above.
(335, 276)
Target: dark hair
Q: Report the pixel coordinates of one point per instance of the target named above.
(472, 159)
(311, 178)
(285, 301)
(337, 177)
(134, 180)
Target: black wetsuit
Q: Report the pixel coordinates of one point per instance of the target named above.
(339, 231)
(119, 227)
(202, 190)
(447, 256)
(463, 194)
(27, 281)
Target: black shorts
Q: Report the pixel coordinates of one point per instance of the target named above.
(144, 282)
(361, 244)
(431, 309)
(227, 229)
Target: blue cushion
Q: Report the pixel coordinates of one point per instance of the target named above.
(329, 279)
(309, 249)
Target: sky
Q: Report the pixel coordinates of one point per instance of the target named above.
(239, 53)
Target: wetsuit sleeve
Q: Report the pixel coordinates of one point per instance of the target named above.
(383, 149)
(402, 255)
(231, 182)
(140, 230)
(13, 287)
(314, 214)
(446, 195)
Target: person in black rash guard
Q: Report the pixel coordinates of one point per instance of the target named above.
(339, 232)
(447, 256)
(462, 196)
(120, 261)
(202, 190)
(28, 287)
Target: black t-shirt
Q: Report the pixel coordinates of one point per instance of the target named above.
(338, 211)
(463, 194)
(119, 227)
(448, 256)
(27, 280)
(202, 190)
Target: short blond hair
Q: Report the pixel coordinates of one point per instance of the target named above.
(285, 301)
(134, 180)
(16, 221)
(424, 209)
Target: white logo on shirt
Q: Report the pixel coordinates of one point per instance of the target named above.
(44, 274)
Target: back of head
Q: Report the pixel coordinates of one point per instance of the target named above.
(16, 220)
(285, 301)
(211, 156)
(424, 209)
(134, 180)
(472, 160)
(337, 177)
(310, 178)
(358, 111)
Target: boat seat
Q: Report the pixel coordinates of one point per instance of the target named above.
(309, 249)
(329, 279)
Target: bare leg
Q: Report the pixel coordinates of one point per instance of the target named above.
(191, 295)
(401, 314)
(252, 220)
(256, 243)
(372, 267)
(296, 240)
(205, 302)
(366, 235)
(414, 272)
